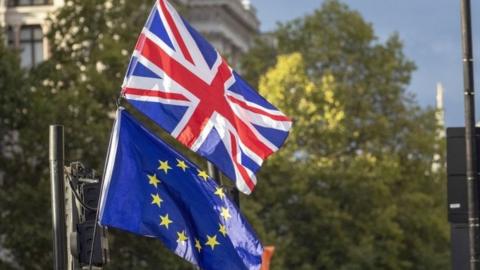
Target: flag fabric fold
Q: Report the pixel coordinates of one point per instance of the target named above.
(151, 190)
(181, 82)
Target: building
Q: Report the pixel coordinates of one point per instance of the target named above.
(26, 25)
(230, 25)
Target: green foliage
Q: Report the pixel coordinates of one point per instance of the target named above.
(352, 189)
(21, 191)
(78, 86)
(12, 89)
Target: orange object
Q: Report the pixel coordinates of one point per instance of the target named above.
(267, 257)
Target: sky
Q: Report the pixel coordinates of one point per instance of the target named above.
(429, 29)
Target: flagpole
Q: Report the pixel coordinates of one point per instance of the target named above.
(215, 173)
(471, 170)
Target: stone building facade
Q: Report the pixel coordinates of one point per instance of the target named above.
(25, 24)
(229, 24)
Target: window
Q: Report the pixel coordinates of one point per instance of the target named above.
(16, 3)
(31, 45)
(10, 37)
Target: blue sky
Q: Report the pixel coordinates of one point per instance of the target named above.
(430, 30)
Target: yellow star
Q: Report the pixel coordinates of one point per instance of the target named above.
(225, 213)
(182, 237)
(153, 180)
(198, 246)
(222, 230)
(165, 221)
(156, 199)
(181, 164)
(164, 166)
(203, 174)
(220, 193)
(212, 241)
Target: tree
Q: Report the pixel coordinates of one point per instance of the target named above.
(352, 188)
(78, 87)
(17, 198)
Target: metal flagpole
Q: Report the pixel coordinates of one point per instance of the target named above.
(471, 155)
(56, 158)
(215, 173)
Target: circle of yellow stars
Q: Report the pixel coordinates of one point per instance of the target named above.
(165, 220)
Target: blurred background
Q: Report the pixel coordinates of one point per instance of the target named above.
(360, 183)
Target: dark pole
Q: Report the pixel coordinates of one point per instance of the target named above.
(469, 95)
(56, 157)
(215, 173)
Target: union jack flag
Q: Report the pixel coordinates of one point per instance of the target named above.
(182, 83)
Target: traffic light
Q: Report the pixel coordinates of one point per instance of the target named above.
(83, 191)
(457, 195)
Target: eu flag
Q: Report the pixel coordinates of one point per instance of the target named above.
(151, 190)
